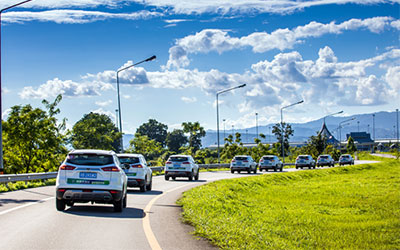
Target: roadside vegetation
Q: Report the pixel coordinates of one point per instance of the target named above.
(24, 185)
(355, 207)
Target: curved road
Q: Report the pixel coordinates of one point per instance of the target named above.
(29, 219)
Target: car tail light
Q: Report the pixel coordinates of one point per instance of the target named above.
(61, 190)
(261, 160)
(186, 162)
(272, 160)
(67, 167)
(110, 169)
(168, 162)
(113, 191)
(137, 166)
(233, 160)
(245, 161)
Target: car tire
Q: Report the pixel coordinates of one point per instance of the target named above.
(249, 171)
(125, 201)
(232, 171)
(70, 203)
(191, 177)
(150, 185)
(60, 205)
(275, 169)
(143, 187)
(196, 178)
(118, 205)
(255, 170)
(238, 171)
(173, 178)
(167, 178)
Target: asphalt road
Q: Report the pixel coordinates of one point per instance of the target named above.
(29, 219)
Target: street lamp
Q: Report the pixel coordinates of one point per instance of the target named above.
(1, 107)
(257, 124)
(283, 150)
(224, 128)
(333, 114)
(218, 93)
(119, 102)
(340, 128)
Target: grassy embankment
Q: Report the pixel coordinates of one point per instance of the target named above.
(355, 207)
(22, 185)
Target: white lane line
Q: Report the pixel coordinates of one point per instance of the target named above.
(151, 238)
(26, 205)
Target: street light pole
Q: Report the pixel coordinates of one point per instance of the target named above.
(397, 123)
(333, 114)
(224, 129)
(340, 130)
(218, 93)
(257, 125)
(282, 132)
(119, 102)
(358, 126)
(1, 99)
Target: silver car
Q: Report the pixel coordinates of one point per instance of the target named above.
(325, 160)
(181, 166)
(305, 161)
(243, 163)
(270, 162)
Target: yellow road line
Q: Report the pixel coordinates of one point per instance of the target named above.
(146, 220)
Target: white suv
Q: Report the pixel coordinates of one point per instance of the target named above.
(305, 161)
(91, 176)
(138, 172)
(325, 160)
(270, 162)
(181, 166)
(243, 163)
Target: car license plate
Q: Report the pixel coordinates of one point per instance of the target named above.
(87, 175)
(177, 165)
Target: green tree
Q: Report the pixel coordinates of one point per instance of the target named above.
(196, 132)
(154, 130)
(334, 152)
(175, 140)
(32, 139)
(96, 131)
(149, 148)
(284, 131)
(232, 148)
(351, 147)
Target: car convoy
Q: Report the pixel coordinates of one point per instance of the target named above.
(100, 176)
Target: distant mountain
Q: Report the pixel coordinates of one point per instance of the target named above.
(385, 127)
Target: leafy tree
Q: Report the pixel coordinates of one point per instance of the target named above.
(232, 148)
(351, 147)
(149, 148)
(196, 132)
(33, 141)
(206, 156)
(175, 140)
(154, 130)
(331, 150)
(284, 131)
(96, 131)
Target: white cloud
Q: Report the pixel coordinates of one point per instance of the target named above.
(105, 112)
(5, 114)
(103, 103)
(67, 88)
(216, 40)
(188, 99)
(73, 16)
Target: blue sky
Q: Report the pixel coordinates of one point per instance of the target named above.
(334, 55)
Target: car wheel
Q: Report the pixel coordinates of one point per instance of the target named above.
(197, 176)
(60, 205)
(150, 185)
(239, 171)
(232, 171)
(118, 205)
(167, 178)
(191, 177)
(255, 170)
(275, 169)
(143, 188)
(70, 203)
(249, 171)
(125, 201)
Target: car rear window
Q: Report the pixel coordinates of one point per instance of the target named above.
(178, 158)
(129, 160)
(324, 157)
(90, 159)
(268, 158)
(344, 156)
(240, 158)
(303, 157)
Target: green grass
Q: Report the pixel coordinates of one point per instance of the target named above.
(355, 207)
(22, 185)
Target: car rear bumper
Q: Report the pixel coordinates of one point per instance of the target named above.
(135, 182)
(178, 173)
(268, 166)
(324, 163)
(303, 165)
(89, 195)
(236, 168)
